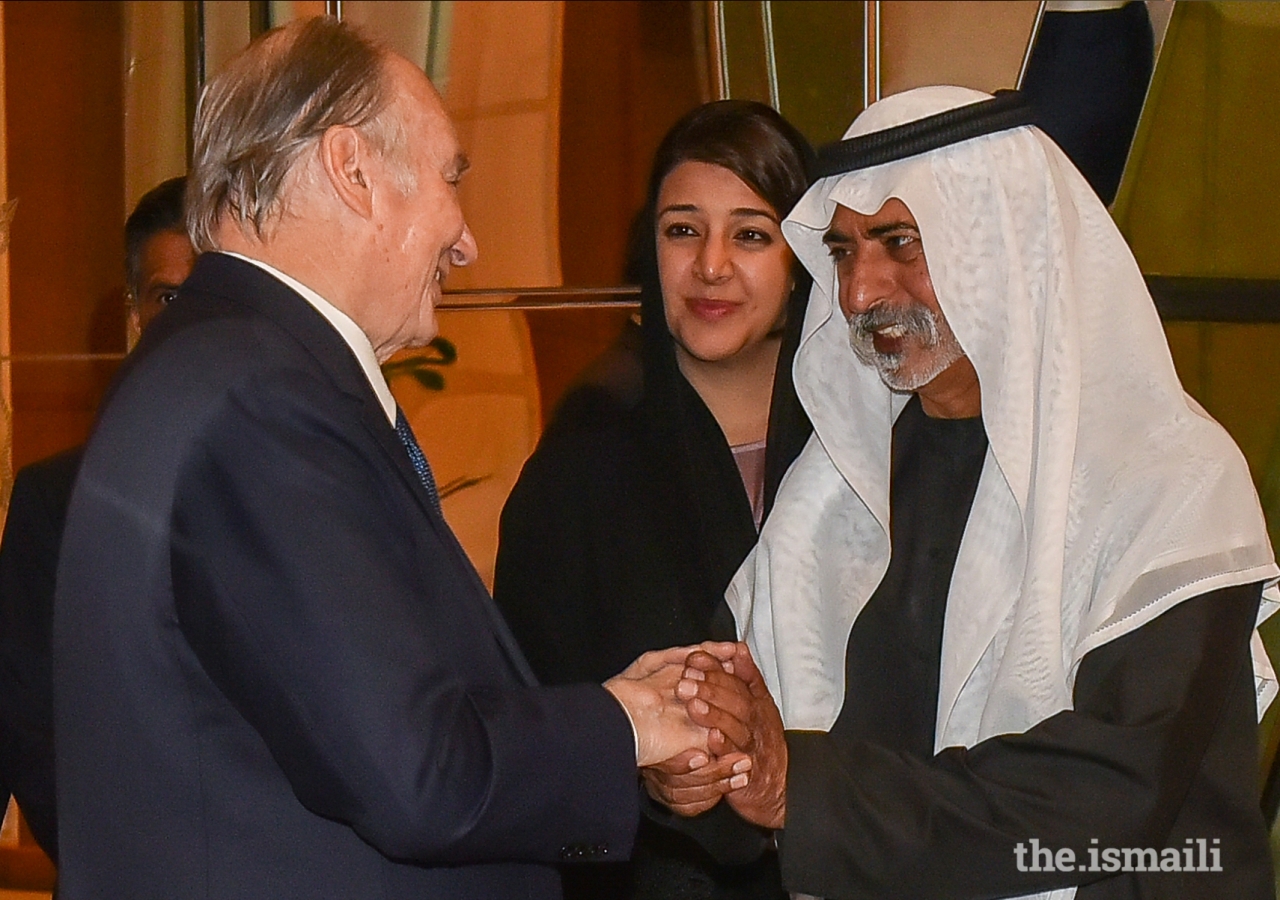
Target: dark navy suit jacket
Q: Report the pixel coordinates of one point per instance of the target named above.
(276, 673)
(28, 566)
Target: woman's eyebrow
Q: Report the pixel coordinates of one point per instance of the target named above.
(743, 211)
(678, 208)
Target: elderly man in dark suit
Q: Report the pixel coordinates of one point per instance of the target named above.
(276, 673)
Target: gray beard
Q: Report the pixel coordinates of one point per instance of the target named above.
(922, 327)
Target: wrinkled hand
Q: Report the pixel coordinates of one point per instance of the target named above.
(739, 714)
(646, 690)
(690, 783)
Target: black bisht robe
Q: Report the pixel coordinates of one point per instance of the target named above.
(1160, 750)
(621, 536)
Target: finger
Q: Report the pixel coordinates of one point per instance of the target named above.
(682, 763)
(701, 794)
(721, 650)
(690, 808)
(719, 745)
(718, 770)
(745, 668)
(660, 789)
(700, 665)
(679, 796)
(659, 793)
(674, 655)
(664, 678)
(737, 777)
(721, 702)
(723, 691)
(734, 730)
(692, 789)
(739, 763)
(653, 660)
(703, 662)
(686, 809)
(723, 680)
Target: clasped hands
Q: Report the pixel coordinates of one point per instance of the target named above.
(707, 730)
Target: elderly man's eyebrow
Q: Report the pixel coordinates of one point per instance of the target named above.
(892, 228)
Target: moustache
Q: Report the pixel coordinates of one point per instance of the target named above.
(916, 321)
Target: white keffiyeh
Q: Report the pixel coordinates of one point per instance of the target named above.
(1107, 495)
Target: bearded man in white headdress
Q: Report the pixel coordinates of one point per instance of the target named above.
(1007, 597)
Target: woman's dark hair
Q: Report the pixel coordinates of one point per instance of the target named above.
(771, 157)
(751, 140)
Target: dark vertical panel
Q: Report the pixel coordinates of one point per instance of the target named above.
(745, 50)
(819, 51)
(65, 155)
(629, 73)
(193, 53)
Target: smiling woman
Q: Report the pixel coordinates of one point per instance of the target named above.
(647, 488)
(725, 272)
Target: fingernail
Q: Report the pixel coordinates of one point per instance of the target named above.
(742, 765)
(695, 674)
(700, 707)
(686, 689)
(737, 782)
(698, 762)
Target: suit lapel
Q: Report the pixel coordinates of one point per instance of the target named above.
(245, 284)
(386, 437)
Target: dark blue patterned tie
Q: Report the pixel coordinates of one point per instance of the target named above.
(417, 457)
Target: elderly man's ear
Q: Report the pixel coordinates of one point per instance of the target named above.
(348, 162)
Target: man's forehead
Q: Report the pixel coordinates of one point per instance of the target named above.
(846, 220)
(445, 147)
(167, 249)
(414, 91)
(410, 79)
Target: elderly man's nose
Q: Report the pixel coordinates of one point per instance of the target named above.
(864, 284)
(465, 251)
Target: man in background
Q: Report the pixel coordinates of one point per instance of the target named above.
(158, 257)
(158, 254)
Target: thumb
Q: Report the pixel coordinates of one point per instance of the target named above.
(744, 666)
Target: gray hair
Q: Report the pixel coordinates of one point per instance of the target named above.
(257, 118)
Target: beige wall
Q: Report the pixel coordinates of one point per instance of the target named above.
(155, 97)
(967, 42)
(64, 152)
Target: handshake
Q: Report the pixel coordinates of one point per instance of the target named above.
(706, 729)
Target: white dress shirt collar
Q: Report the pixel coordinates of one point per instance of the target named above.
(356, 339)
